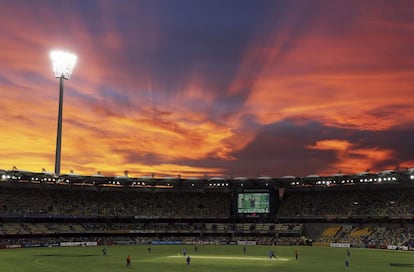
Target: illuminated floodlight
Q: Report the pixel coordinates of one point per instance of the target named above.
(63, 63)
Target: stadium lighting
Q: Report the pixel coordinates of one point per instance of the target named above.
(63, 63)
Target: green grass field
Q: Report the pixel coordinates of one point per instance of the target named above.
(207, 259)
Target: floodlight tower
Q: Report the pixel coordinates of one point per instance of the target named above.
(63, 63)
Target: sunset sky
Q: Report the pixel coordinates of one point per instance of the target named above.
(209, 87)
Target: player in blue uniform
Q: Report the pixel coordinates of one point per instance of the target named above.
(271, 254)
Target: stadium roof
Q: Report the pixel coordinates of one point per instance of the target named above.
(202, 183)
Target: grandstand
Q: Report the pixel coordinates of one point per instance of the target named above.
(369, 210)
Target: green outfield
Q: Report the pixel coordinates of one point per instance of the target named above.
(207, 259)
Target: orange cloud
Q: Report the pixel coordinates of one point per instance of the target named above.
(94, 126)
(343, 80)
(350, 158)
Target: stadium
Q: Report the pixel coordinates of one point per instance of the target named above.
(367, 213)
(216, 112)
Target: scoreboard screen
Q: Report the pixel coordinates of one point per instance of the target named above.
(253, 203)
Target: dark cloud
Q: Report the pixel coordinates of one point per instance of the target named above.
(278, 149)
(281, 149)
(136, 157)
(398, 139)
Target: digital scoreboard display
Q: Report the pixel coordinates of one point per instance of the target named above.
(248, 203)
